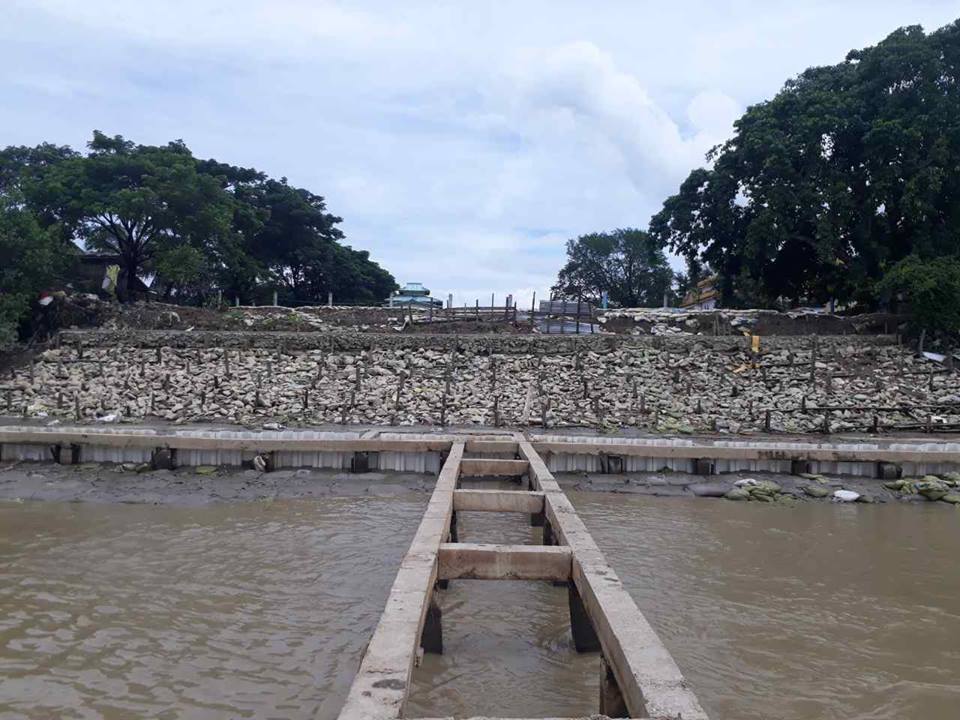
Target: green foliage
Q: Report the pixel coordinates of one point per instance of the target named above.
(196, 225)
(31, 260)
(932, 290)
(627, 264)
(847, 171)
(184, 269)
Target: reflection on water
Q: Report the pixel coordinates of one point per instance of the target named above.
(262, 609)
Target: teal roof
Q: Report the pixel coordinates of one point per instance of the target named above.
(414, 288)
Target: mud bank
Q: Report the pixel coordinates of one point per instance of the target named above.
(97, 483)
(105, 483)
(676, 484)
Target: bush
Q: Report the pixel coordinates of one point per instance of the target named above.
(31, 260)
(932, 290)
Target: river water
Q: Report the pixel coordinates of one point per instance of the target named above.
(262, 609)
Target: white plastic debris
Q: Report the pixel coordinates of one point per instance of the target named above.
(746, 482)
(272, 426)
(112, 417)
(846, 496)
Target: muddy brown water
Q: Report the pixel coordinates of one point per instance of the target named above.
(263, 609)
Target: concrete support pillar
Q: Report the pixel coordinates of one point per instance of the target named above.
(548, 538)
(889, 471)
(584, 637)
(431, 639)
(66, 454)
(703, 467)
(612, 703)
(163, 459)
(537, 519)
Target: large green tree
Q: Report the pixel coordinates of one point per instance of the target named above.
(824, 188)
(195, 226)
(627, 264)
(134, 201)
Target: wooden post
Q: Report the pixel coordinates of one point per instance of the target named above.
(766, 420)
(275, 298)
(813, 360)
(533, 308)
(579, 299)
(477, 310)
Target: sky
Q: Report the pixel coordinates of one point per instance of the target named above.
(462, 143)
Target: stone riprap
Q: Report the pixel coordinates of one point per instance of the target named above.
(697, 384)
(667, 321)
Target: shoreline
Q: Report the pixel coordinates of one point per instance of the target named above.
(27, 481)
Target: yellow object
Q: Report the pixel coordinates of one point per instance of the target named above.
(110, 279)
(755, 343)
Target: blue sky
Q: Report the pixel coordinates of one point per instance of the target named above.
(462, 143)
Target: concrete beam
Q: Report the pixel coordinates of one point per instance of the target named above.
(490, 467)
(380, 687)
(306, 441)
(498, 501)
(646, 674)
(503, 562)
(694, 449)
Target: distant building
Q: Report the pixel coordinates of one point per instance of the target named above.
(704, 296)
(415, 294)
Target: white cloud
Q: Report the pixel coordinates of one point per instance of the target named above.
(462, 143)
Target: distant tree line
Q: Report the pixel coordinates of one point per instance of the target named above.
(845, 186)
(195, 227)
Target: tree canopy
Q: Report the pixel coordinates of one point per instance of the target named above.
(822, 190)
(195, 226)
(627, 264)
